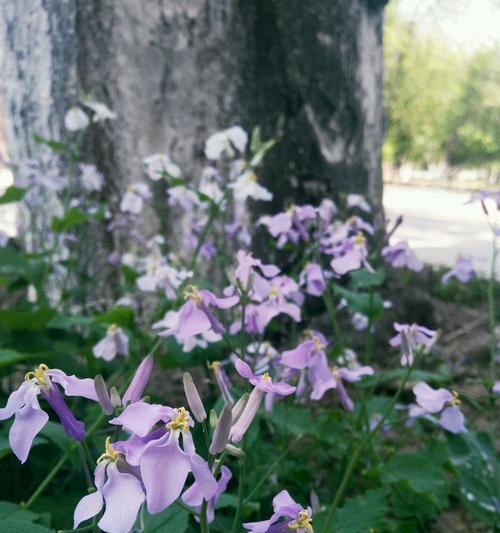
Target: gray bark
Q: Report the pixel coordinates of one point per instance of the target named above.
(309, 73)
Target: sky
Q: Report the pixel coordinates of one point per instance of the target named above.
(468, 23)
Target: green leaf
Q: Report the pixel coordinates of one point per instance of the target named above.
(10, 357)
(422, 476)
(14, 519)
(56, 434)
(15, 319)
(73, 217)
(359, 514)
(370, 305)
(12, 194)
(364, 279)
(55, 146)
(478, 470)
(121, 316)
(69, 322)
(173, 520)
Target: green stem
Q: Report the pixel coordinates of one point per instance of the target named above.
(203, 235)
(491, 313)
(204, 527)
(357, 452)
(241, 481)
(85, 466)
(271, 469)
(330, 307)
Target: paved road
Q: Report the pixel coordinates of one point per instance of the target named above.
(438, 226)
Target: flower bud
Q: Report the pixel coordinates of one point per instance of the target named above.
(139, 381)
(193, 398)
(213, 418)
(103, 395)
(222, 430)
(247, 416)
(115, 397)
(239, 407)
(234, 450)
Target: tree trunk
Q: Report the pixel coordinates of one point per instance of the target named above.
(309, 73)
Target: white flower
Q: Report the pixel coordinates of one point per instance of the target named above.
(101, 111)
(156, 165)
(76, 119)
(209, 186)
(114, 343)
(91, 178)
(133, 199)
(183, 197)
(356, 200)
(4, 238)
(246, 186)
(224, 142)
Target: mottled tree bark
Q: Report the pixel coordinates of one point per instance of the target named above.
(309, 73)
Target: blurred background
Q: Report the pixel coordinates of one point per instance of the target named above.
(440, 126)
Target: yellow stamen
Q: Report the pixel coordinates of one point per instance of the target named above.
(192, 293)
(318, 345)
(113, 329)
(40, 374)
(252, 176)
(335, 371)
(359, 239)
(214, 365)
(181, 421)
(266, 376)
(303, 521)
(274, 292)
(130, 188)
(110, 454)
(456, 398)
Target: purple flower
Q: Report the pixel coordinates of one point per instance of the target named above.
(357, 200)
(416, 336)
(114, 343)
(350, 255)
(323, 378)
(247, 265)
(193, 496)
(133, 199)
(30, 418)
(296, 518)
(302, 356)
(160, 451)
(496, 388)
(463, 270)
(195, 317)
(400, 255)
(141, 377)
(119, 488)
(222, 381)
(434, 401)
(313, 279)
(290, 226)
(263, 384)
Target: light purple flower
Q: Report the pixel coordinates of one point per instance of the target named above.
(296, 518)
(118, 488)
(313, 279)
(292, 225)
(323, 378)
(91, 178)
(441, 401)
(137, 385)
(222, 380)
(247, 266)
(350, 255)
(357, 200)
(30, 418)
(133, 199)
(246, 186)
(400, 255)
(114, 343)
(496, 388)
(302, 356)
(157, 165)
(225, 142)
(160, 451)
(463, 270)
(195, 317)
(416, 336)
(193, 496)
(263, 384)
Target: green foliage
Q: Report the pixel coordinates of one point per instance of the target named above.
(14, 519)
(443, 103)
(12, 194)
(173, 519)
